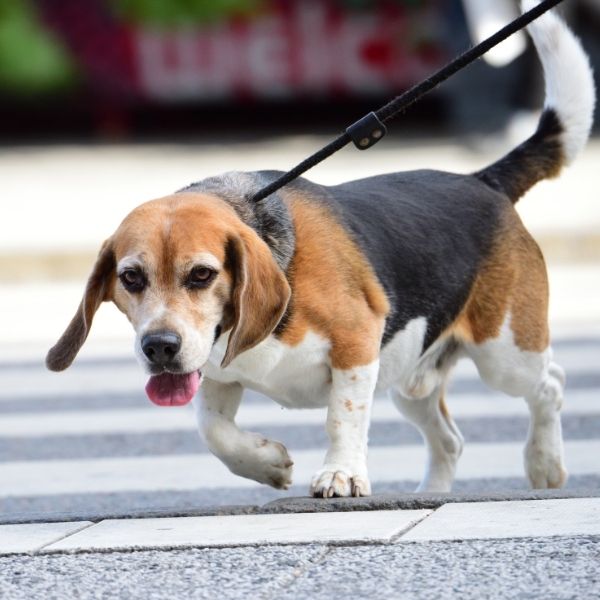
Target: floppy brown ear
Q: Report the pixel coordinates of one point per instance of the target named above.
(62, 354)
(260, 293)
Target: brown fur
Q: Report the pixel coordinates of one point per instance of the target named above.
(260, 293)
(251, 288)
(98, 289)
(512, 280)
(335, 291)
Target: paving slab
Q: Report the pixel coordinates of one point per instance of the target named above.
(238, 530)
(518, 519)
(18, 539)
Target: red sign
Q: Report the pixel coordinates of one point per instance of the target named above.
(295, 48)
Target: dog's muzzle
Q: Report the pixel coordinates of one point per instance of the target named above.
(161, 348)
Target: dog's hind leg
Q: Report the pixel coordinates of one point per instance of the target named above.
(443, 439)
(245, 453)
(544, 452)
(533, 376)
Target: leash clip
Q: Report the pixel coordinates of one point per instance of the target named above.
(366, 132)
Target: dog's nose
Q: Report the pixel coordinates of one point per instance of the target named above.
(162, 347)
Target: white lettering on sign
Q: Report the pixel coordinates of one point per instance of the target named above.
(313, 48)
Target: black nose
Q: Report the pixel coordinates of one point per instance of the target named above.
(161, 347)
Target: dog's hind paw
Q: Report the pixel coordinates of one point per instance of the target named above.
(330, 483)
(545, 470)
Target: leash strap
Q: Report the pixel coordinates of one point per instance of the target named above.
(370, 129)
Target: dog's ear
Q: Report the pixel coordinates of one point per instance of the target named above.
(260, 293)
(97, 289)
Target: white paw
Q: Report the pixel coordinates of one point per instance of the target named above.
(333, 481)
(264, 461)
(545, 469)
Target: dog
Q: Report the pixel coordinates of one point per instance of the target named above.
(320, 296)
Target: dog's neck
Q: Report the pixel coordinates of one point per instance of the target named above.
(270, 218)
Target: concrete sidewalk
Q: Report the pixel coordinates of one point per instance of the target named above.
(547, 548)
(376, 520)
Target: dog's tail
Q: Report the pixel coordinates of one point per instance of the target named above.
(566, 121)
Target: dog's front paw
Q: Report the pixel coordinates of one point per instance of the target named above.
(264, 461)
(334, 481)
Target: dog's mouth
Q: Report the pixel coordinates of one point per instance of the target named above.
(173, 389)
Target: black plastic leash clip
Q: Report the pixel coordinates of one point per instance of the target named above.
(366, 132)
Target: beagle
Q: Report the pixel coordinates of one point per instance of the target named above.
(320, 296)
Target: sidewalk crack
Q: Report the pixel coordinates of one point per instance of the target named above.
(301, 569)
(64, 537)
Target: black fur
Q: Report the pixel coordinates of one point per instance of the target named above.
(426, 234)
(539, 157)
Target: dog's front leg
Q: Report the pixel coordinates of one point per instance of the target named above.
(245, 453)
(348, 414)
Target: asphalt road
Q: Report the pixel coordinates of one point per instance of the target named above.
(89, 441)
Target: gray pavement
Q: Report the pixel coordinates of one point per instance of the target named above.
(542, 568)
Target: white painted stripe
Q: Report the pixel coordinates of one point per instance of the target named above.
(79, 380)
(154, 419)
(128, 378)
(202, 471)
(32, 537)
(238, 530)
(573, 359)
(495, 520)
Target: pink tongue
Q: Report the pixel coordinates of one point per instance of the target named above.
(172, 390)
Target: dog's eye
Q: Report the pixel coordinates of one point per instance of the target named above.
(133, 280)
(200, 277)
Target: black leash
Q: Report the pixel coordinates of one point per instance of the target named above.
(370, 129)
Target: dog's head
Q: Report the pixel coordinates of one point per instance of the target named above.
(183, 269)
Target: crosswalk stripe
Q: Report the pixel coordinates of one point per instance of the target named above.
(127, 377)
(189, 472)
(149, 420)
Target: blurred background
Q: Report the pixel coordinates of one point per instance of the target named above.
(118, 70)
(107, 103)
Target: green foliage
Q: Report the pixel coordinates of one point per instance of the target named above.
(31, 59)
(366, 4)
(181, 12)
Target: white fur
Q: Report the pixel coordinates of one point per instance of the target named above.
(417, 382)
(294, 376)
(245, 453)
(401, 354)
(441, 435)
(569, 79)
(348, 415)
(533, 376)
(302, 377)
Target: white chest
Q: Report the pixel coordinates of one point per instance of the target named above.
(300, 376)
(294, 376)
